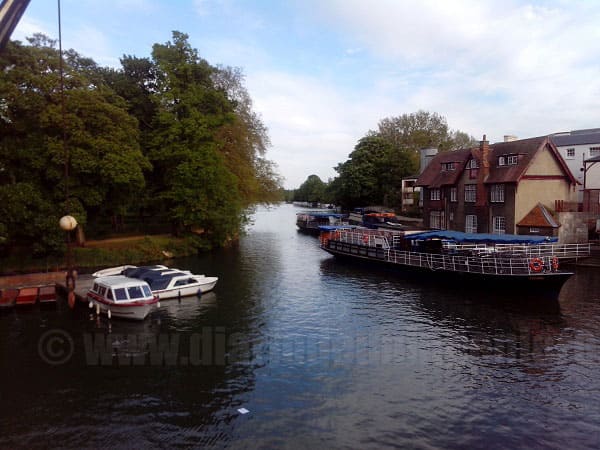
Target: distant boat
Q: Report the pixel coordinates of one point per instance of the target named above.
(310, 221)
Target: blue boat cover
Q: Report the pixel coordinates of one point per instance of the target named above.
(336, 227)
(322, 214)
(487, 238)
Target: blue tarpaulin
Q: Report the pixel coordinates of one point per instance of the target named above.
(336, 227)
(321, 214)
(481, 238)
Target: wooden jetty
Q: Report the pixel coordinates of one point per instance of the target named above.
(42, 288)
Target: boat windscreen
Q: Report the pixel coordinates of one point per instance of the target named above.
(120, 294)
(135, 292)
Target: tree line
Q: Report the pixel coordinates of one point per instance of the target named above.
(169, 138)
(373, 172)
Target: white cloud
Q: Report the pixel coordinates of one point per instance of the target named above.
(313, 125)
(28, 26)
(488, 66)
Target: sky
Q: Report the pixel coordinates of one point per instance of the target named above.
(322, 73)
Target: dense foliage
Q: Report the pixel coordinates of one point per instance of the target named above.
(171, 138)
(373, 172)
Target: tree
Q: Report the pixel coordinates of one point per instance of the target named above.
(312, 190)
(380, 160)
(105, 162)
(204, 197)
(363, 178)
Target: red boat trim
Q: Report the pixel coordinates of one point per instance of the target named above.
(102, 300)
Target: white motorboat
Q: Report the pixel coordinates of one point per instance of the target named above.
(124, 297)
(172, 283)
(111, 271)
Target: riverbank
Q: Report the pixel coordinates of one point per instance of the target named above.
(102, 253)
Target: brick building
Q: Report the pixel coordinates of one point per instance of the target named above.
(491, 188)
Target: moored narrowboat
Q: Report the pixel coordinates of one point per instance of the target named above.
(502, 260)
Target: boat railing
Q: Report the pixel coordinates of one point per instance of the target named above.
(480, 261)
(368, 238)
(562, 251)
(473, 264)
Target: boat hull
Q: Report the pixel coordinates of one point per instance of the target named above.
(195, 289)
(134, 311)
(546, 284)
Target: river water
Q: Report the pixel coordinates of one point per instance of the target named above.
(295, 349)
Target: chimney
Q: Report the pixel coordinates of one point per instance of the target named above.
(484, 151)
(427, 154)
(484, 171)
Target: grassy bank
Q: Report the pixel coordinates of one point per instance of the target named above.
(109, 252)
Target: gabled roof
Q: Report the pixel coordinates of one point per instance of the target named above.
(526, 149)
(538, 217)
(434, 177)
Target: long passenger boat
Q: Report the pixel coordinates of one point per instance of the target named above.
(500, 260)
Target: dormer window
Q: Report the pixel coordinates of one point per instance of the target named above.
(472, 164)
(508, 160)
(448, 166)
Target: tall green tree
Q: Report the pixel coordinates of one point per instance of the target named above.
(244, 142)
(312, 190)
(363, 177)
(105, 162)
(184, 144)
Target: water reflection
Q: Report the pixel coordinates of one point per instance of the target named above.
(322, 353)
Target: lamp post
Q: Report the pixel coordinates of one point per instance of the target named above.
(68, 224)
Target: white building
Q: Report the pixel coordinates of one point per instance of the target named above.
(575, 147)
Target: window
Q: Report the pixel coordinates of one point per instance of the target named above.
(434, 194)
(499, 225)
(135, 292)
(497, 193)
(120, 294)
(570, 153)
(448, 166)
(594, 151)
(508, 160)
(471, 224)
(534, 230)
(453, 194)
(470, 193)
(473, 165)
(435, 219)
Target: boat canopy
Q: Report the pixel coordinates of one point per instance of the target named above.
(481, 238)
(336, 227)
(322, 214)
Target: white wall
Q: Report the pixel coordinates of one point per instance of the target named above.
(575, 165)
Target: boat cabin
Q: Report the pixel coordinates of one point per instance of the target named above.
(119, 289)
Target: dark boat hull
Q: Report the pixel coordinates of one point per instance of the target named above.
(547, 285)
(312, 230)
